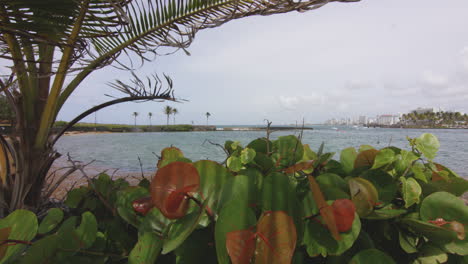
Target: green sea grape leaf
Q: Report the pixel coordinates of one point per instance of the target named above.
(450, 208)
(23, 226)
(233, 216)
(53, 218)
(347, 158)
(87, 230)
(371, 256)
(405, 160)
(198, 246)
(234, 163)
(455, 186)
(319, 241)
(411, 191)
(384, 157)
(309, 154)
(408, 242)
(260, 145)
(75, 196)
(289, 149)
(420, 172)
(124, 201)
(239, 187)
(333, 186)
(169, 155)
(278, 194)
(247, 155)
(433, 232)
(154, 221)
(146, 250)
(386, 212)
(428, 145)
(385, 184)
(181, 229)
(264, 161)
(213, 176)
(42, 251)
(364, 195)
(430, 254)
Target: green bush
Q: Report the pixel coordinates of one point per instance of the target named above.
(270, 202)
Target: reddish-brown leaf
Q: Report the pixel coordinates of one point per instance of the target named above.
(344, 212)
(299, 167)
(365, 158)
(276, 238)
(169, 186)
(143, 205)
(326, 211)
(4, 234)
(177, 197)
(240, 246)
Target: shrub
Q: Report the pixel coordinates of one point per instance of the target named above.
(270, 202)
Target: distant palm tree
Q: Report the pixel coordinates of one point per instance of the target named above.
(175, 112)
(168, 112)
(135, 114)
(150, 115)
(207, 116)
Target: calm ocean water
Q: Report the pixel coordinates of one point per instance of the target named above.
(121, 150)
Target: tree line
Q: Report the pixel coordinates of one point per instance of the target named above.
(434, 119)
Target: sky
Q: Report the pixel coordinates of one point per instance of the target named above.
(342, 60)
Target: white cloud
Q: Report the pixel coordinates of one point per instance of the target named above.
(434, 79)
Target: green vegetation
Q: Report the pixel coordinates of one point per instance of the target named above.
(271, 202)
(435, 119)
(6, 113)
(168, 112)
(50, 47)
(84, 127)
(207, 117)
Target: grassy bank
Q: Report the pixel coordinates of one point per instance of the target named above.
(88, 127)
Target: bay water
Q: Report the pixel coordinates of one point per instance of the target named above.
(124, 151)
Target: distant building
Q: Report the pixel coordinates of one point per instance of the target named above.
(388, 120)
(362, 120)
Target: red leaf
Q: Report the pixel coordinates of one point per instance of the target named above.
(177, 197)
(365, 158)
(276, 238)
(170, 185)
(344, 212)
(326, 211)
(240, 246)
(143, 205)
(299, 167)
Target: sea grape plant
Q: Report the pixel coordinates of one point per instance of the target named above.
(270, 202)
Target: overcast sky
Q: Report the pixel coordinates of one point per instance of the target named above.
(342, 60)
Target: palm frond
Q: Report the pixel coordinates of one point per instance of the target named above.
(173, 23)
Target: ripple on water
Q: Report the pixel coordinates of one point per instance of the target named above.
(121, 150)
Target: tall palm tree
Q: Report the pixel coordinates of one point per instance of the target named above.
(207, 116)
(150, 115)
(52, 47)
(174, 113)
(168, 112)
(135, 114)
